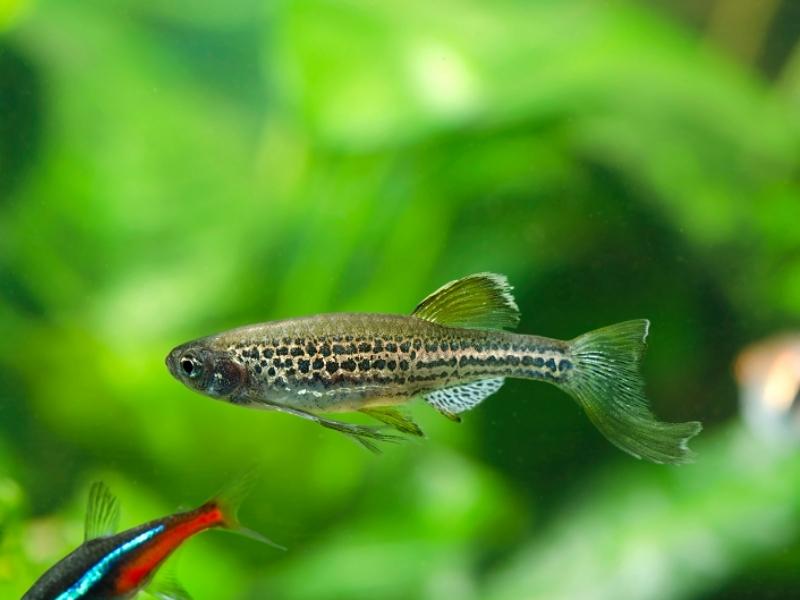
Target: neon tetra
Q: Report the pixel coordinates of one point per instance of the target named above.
(109, 566)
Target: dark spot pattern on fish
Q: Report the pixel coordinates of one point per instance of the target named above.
(321, 370)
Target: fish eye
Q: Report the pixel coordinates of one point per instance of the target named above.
(190, 366)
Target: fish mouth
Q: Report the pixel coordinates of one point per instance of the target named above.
(171, 361)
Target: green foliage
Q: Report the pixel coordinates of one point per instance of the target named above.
(173, 169)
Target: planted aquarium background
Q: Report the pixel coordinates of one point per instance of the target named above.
(170, 170)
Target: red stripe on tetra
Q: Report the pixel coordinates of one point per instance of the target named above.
(143, 563)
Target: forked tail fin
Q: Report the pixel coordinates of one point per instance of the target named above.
(229, 499)
(607, 383)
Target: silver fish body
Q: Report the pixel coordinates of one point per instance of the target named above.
(453, 351)
(348, 361)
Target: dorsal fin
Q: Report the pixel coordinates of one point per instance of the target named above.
(482, 300)
(102, 512)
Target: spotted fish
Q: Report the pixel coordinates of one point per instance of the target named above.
(116, 566)
(453, 351)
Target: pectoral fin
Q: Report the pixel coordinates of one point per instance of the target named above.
(363, 434)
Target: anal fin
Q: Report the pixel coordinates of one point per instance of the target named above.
(448, 415)
(167, 587)
(451, 401)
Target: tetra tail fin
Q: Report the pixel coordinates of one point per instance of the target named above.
(607, 383)
(230, 498)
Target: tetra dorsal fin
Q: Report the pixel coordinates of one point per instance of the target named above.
(102, 512)
(460, 398)
(482, 300)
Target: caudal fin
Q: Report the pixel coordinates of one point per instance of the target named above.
(607, 383)
(228, 501)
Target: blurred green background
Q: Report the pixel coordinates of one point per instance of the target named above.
(169, 170)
